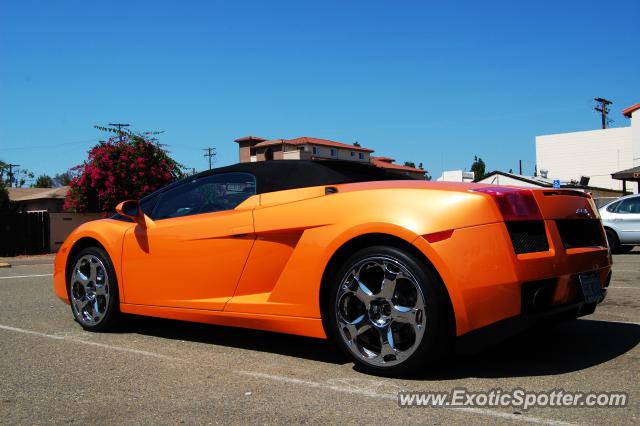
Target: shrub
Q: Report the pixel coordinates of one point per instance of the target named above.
(122, 168)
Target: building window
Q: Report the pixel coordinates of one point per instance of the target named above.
(361, 155)
(353, 154)
(268, 154)
(333, 152)
(314, 150)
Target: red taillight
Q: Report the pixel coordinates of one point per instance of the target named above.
(514, 203)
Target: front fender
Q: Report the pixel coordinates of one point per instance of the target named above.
(108, 233)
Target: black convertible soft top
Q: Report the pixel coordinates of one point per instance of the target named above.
(279, 175)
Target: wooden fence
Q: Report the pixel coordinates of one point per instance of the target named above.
(24, 233)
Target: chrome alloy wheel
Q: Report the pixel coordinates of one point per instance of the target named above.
(89, 290)
(380, 311)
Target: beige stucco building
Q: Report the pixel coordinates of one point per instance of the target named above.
(253, 148)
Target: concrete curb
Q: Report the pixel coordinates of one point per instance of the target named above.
(5, 265)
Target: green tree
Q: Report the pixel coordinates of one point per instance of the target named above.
(4, 197)
(478, 167)
(62, 179)
(43, 181)
(18, 177)
(410, 164)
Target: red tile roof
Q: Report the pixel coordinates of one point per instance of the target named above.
(250, 138)
(385, 159)
(384, 163)
(314, 141)
(627, 112)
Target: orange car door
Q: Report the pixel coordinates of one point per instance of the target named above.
(192, 253)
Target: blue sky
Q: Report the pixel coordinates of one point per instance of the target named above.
(426, 81)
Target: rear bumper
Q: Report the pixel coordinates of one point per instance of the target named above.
(501, 330)
(485, 278)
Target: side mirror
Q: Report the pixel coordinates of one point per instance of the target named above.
(132, 210)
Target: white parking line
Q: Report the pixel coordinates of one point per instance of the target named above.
(284, 379)
(394, 397)
(26, 276)
(634, 288)
(85, 342)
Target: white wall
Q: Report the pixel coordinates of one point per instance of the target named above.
(595, 153)
(453, 176)
(635, 131)
(507, 180)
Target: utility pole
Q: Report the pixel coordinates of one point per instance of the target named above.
(10, 167)
(603, 109)
(119, 126)
(520, 168)
(211, 153)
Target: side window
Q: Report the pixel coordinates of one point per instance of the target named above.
(205, 195)
(148, 204)
(612, 208)
(630, 205)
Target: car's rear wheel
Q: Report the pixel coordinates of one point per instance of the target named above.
(93, 290)
(388, 312)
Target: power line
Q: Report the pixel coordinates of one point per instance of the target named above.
(211, 153)
(603, 109)
(26, 148)
(119, 126)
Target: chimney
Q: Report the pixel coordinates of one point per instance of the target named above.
(245, 144)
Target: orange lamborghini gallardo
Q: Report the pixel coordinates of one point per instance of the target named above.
(391, 269)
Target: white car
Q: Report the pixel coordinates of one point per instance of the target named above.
(621, 221)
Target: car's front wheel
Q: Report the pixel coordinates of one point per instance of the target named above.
(388, 312)
(93, 290)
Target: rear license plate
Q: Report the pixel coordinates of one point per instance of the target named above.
(591, 289)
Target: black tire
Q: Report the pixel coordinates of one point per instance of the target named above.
(612, 239)
(93, 293)
(433, 329)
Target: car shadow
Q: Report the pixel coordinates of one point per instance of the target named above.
(542, 351)
(255, 340)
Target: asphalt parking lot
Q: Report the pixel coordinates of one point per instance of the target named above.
(160, 371)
